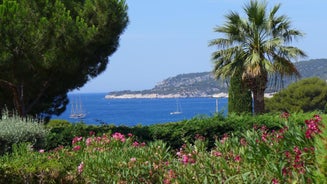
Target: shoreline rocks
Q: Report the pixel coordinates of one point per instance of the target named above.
(154, 95)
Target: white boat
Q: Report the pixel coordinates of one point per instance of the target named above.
(77, 111)
(178, 108)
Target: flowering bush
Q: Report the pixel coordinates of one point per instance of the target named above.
(259, 155)
(321, 155)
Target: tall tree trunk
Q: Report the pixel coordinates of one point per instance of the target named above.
(258, 101)
(17, 94)
(258, 90)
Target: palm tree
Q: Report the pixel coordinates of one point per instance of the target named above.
(258, 45)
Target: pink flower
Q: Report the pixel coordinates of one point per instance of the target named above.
(199, 137)
(119, 136)
(264, 137)
(80, 168)
(288, 154)
(217, 153)
(313, 126)
(166, 181)
(135, 144)
(237, 158)
(297, 150)
(76, 148)
(263, 128)
(274, 181)
(76, 139)
(243, 141)
(129, 134)
(88, 141)
(185, 159)
(285, 171)
(41, 151)
(133, 159)
(91, 133)
(297, 158)
(98, 139)
(285, 115)
(225, 137)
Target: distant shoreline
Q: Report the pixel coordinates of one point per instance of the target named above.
(153, 95)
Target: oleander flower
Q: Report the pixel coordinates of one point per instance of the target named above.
(80, 168)
(76, 139)
(76, 148)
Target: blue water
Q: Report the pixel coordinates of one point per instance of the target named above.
(131, 112)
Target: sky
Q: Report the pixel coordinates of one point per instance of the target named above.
(165, 38)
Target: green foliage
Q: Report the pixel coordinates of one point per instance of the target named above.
(14, 130)
(57, 123)
(44, 43)
(239, 97)
(26, 165)
(62, 133)
(321, 155)
(306, 95)
(256, 155)
(176, 133)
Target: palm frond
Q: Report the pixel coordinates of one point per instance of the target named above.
(291, 52)
(285, 67)
(257, 44)
(221, 43)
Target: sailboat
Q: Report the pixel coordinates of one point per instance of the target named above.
(77, 111)
(178, 108)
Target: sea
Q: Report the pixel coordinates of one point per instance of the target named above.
(131, 112)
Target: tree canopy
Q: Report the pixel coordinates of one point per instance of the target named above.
(258, 45)
(50, 47)
(306, 95)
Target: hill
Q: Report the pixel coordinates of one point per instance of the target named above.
(204, 85)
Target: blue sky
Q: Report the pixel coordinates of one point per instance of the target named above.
(169, 37)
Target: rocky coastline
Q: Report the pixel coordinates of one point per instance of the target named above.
(155, 95)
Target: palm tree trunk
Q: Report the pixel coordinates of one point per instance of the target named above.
(258, 91)
(258, 100)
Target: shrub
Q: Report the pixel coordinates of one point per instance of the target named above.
(321, 155)
(58, 123)
(176, 133)
(14, 129)
(62, 133)
(257, 155)
(306, 95)
(26, 165)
